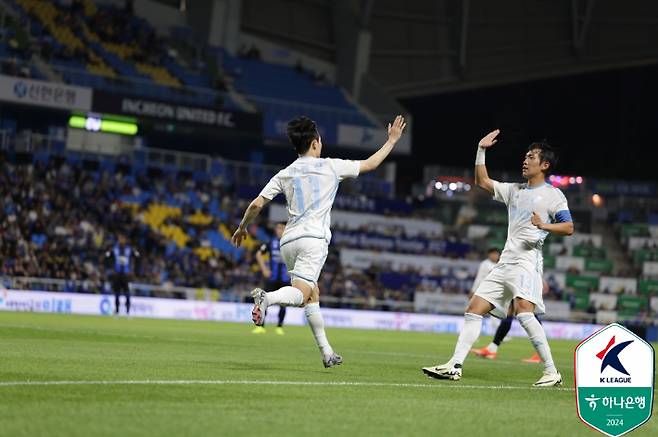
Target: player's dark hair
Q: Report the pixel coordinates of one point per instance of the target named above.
(301, 133)
(493, 249)
(546, 154)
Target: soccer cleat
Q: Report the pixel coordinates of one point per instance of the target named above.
(484, 353)
(533, 359)
(259, 330)
(549, 380)
(449, 370)
(279, 331)
(260, 305)
(332, 360)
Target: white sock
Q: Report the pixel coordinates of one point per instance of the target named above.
(316, 322)
(468, 336)
(288, 296)
(493, 347)
(538, 339)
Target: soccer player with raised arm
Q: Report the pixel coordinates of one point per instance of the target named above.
(309, 184)
(535, 210)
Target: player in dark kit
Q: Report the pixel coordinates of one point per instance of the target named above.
(121, 263)
(274, 271)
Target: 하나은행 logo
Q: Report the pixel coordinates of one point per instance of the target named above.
(614, 375)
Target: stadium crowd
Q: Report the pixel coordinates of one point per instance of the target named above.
(58, 220)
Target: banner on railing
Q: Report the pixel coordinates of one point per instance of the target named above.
(358, 220)
(42, 93)
(364, 259)
(369, 138)
(103, 305)
(419, 245)
(277, 115)
(352, 136)
(428, 302)
(150, 108)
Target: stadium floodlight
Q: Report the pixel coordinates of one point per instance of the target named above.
(597, 200)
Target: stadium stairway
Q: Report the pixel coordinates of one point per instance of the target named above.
(48, 72)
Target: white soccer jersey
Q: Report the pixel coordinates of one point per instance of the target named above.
(524, 240)
(485, 268)
(310, 186)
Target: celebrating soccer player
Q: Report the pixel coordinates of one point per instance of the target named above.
(309, 184)
(535, 210)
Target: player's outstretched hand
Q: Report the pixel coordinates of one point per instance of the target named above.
(238, 237)
(490, 139)
(536, 220)
(395, 130)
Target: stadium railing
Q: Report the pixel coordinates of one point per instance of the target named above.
(188, 293)
(212, 295)
(243, 173)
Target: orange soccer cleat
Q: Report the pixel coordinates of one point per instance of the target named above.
(533, 359)
(484, 353)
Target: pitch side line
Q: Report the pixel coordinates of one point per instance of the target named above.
(292, 383)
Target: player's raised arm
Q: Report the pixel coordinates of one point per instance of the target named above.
(250, 214)
(394, 133)
(482, 179)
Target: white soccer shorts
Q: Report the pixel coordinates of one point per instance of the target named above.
(305, 258)
(508, 281)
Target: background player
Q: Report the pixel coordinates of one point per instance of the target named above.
(120, 262)
(486, 266)
(309, 184)
(518, 275)
(274, 271)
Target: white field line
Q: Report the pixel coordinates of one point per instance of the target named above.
(444, 358)
(453, 385)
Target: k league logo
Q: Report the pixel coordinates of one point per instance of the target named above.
(614, 375)
(610, 358)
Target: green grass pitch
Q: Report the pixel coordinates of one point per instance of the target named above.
(205, 378)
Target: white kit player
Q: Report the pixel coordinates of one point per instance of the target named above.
(486, 266)
(309, 184)
(535, 210)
